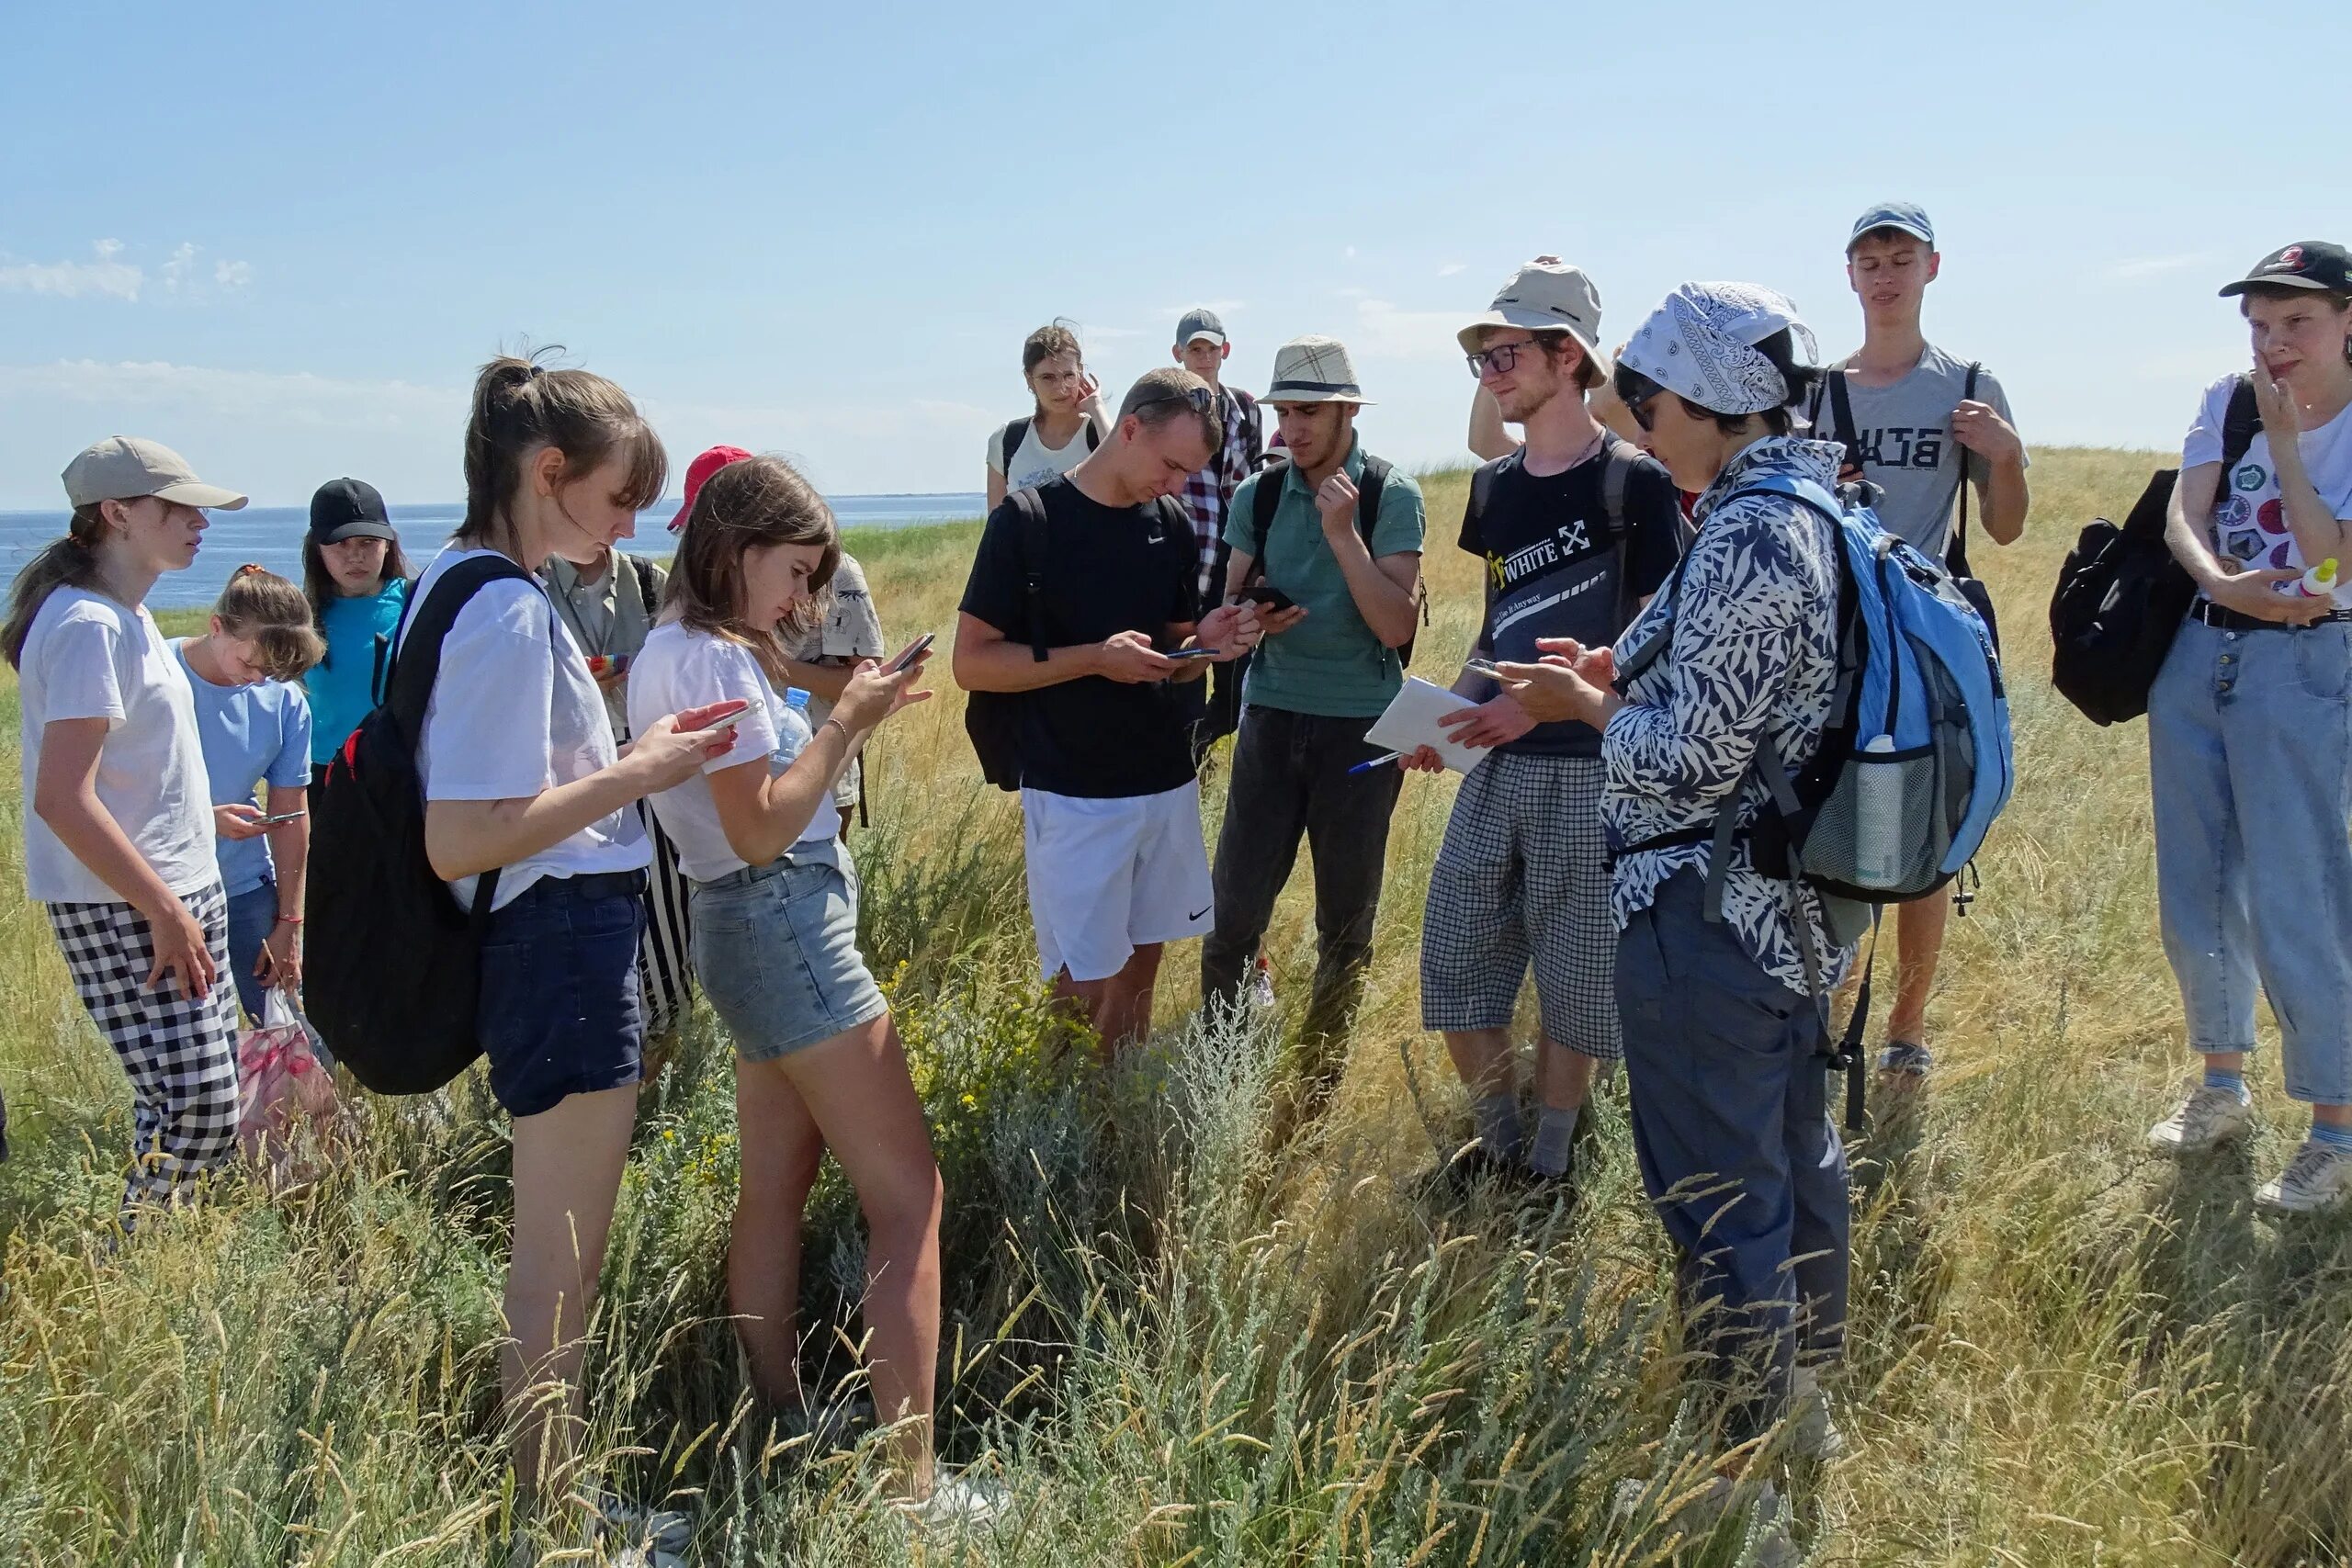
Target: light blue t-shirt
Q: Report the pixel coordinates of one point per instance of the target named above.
(251, 735)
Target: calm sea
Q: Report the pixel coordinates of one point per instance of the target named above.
(273, 535)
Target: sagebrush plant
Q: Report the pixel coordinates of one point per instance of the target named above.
(1176, 1345)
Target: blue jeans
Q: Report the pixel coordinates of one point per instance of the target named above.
(253, 915)
(1731, 1127)
(2250, 760)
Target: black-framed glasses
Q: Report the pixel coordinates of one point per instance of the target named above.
(1201, 397)
(1502, 356)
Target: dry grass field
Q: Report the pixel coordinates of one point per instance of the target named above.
(1177, 1349)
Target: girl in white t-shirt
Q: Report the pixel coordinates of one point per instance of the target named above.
(1068, 422)
(118, 810)
(522, 778)
(774, 921)
(2250, 732)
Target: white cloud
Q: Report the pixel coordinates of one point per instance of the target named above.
(176, 271)
(2138, 268)
(233, 275)
(297, 399)
(105, 276)
(1381, 328)
(1450, 268)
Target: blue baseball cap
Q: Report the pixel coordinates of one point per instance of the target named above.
(1200, 322)
(1907, 216)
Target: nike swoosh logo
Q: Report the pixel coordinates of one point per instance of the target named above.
(1199, 912)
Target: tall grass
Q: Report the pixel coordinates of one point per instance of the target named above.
(1176, 1348)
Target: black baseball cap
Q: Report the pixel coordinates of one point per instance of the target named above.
(349, 509)
(2307, 264)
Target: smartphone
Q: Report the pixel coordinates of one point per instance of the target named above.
(1191, 653)
(725, 714)
(283, 817)
(910, 653)
(1272, 597)
(1482, 667)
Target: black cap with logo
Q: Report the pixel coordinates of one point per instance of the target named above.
(349, 509)
(2310, 264)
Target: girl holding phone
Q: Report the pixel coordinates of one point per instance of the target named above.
(774, 921)
(118, 828)
(521, 775)
(254, 724)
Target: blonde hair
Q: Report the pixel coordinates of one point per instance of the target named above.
(269, 610)
(753, 504)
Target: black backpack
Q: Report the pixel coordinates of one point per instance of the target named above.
(393, 971)
(1268, 499)
(2122, 596)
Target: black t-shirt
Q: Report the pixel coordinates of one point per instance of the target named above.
(1107, 569)
(1553, 568)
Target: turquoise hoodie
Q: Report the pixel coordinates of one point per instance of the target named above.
(348, 684)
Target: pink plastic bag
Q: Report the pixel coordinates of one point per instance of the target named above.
(280, 1082)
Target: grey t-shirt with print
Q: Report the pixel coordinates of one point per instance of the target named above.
(851, 631)
(1904, 433)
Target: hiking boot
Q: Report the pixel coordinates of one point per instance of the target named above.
(2207, 1119)
(1812, 1432)
(2316, 1181)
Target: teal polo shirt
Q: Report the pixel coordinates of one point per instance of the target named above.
(1330, 664)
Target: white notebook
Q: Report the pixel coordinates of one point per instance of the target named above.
(1411, 722)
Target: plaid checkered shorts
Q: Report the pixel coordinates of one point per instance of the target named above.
(180, 1054)
(1523, 875)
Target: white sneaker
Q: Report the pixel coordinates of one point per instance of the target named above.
(2207, 1119)
(1812, 1432)
(656, 1532)
(957, 1503)
(2317, 1180)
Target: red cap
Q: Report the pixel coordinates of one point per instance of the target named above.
(699, 474)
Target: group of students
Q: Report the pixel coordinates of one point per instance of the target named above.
(653, 771)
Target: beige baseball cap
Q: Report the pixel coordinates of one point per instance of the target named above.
(1545, 296)
(1314, 370)
(123, 467)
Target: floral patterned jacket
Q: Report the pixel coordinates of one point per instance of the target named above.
(1754, 649)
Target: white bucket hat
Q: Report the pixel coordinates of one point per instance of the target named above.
(1315, 370)
(1542, 297)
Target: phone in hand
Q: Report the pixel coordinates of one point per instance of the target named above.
(1189, 653)
(282, 816)
(723, 714)
(910, 653)
(1269, 597)
(1486, 667)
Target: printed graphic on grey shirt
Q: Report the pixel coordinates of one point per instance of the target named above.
(1904, 438)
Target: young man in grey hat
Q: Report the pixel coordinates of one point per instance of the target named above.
(1923, 428)
(1344, 597)
(1202, 349)
(1577, 529)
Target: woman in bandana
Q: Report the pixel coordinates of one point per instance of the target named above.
(1721, 1034)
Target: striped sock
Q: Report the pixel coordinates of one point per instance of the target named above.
(2234, 1082)
(2333, 1136)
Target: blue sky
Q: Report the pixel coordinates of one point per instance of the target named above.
(280, 237)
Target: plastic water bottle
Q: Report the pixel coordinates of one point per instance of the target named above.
(2320, 582)
(793, 733)
(1878, 818)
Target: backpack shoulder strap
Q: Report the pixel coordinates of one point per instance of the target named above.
(1616, 472)
(2240, 424)
(1093, 436)
(1263, 504)
(1014, 434)
(1031, 509)
(1368, 491)
(426, 621)
(1841, 408)
(646, 590)
(1482, 482)
(1956, 554)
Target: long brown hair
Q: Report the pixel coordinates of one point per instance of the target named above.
(262, 606)
(320, 588)
(755, 503)
(519, 407)
(69, 561)
(1054, 337)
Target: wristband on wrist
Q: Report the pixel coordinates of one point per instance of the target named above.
(837, 724)
(290, 920)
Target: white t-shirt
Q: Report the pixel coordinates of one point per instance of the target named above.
(679, 668)
(516, 712)
(87, 657)
(2249, 521)
(1035, 462)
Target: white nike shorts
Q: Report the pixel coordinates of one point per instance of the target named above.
(1108, 877)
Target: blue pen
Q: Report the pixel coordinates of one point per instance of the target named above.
(1365, 767)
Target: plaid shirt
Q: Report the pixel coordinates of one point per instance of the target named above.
(1207, 493)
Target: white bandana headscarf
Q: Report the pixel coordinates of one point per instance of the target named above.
(1698, 345)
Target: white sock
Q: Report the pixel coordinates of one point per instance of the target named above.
(1498, 1128)
(1555, 1130)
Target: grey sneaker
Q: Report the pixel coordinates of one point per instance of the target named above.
(655, 1532)
(1813, 1433)
(2207, 1119)
(2318, 1180)
(956, 1504)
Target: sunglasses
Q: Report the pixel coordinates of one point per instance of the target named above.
(1642, 410)
(1201, 398)
(1502, 356)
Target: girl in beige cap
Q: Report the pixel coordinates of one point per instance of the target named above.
(118, 809)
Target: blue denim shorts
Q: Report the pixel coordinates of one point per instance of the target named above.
(253, 915)
(776, 947)
(558, 1010)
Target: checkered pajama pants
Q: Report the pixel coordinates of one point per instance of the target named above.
(1522, 877)
(180, 1054)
